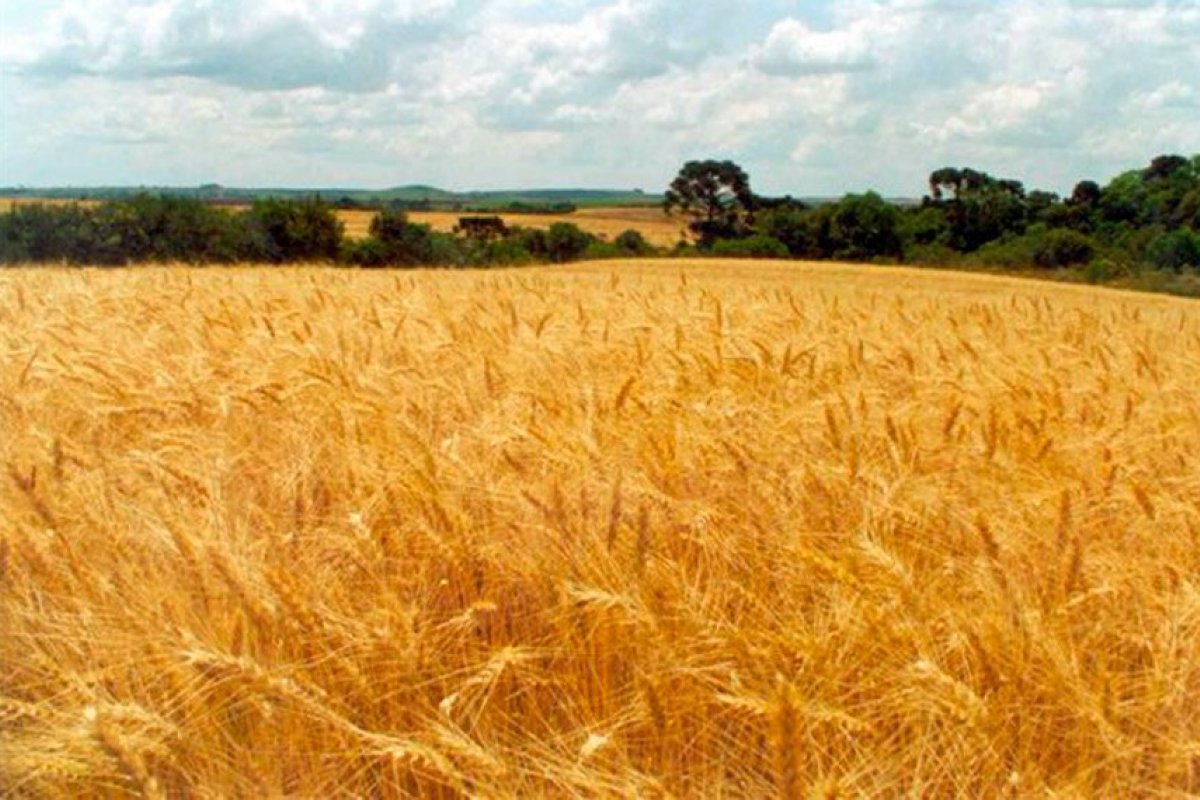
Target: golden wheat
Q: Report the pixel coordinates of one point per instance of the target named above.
(632, 529)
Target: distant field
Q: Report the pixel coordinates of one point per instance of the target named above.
(8, 203)
(632, 529)
(658, 228)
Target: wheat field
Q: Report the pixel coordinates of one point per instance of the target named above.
(657, 529)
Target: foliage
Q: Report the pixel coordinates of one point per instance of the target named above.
(1062, 248)
(861, 227)
(1148, 216)
(566, 242)
(1143, 219)
(1176, 251)
(296, 230)
(142, 228)
(795, 228)
(405, 243)
(632, 243)
(716, 195)
(757, 246)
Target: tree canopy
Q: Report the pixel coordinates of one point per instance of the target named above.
(716, 194)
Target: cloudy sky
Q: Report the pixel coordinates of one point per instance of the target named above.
(811, 96)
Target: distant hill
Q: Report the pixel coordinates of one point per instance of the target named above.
(415, 194)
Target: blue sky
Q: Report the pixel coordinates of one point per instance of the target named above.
(811, 97)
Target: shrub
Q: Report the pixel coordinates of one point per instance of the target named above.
(932, 255)
(511, 251)
(1062, 248)
(297, 230)
(757, 246)
(1175, 251)
(404, 242)
(366, 252)
(1014, 252)
(861, 227)
(599, 250)
(39, 232)
(1103, 270)
(445, 250)
(566, 242)
(632, 243)
(795, 228)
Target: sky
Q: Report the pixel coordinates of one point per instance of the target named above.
(811, 97)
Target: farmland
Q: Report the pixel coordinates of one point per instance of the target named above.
(659, 229)
(662, 528)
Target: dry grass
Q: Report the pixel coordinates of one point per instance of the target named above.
(658, 228)
(622, 530)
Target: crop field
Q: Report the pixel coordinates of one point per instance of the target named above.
(658, 228)
(9, 203)
(652, 529)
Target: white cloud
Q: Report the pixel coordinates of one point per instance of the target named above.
(793, 48)
(354, 46)
(818, 97)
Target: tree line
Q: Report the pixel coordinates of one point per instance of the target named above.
(1146, 219)
(165, 229)
(1142, 221)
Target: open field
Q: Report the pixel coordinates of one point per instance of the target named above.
(629, 529)
(658, 228)
(8, 203)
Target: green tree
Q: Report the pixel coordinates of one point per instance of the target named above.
(632, 243)
(716, 195)
(864, 226)
(297, 230)
(756, 246)
(404, 242)
(1063, 248)
(1176, 251)
(566, 242)
(792, 226)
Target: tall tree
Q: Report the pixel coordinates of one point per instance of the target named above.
(716, 195)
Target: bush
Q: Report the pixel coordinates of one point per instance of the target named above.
(532, 240)
(296, 230)
(1103, 270)
(39, 232)
(861, 227)
(1062, 248)
(931, 255)
(600, 250)
(632, 243)
(404, 242)
(367, 252)
(566, 242)
(139, 229)
(511, 251)
(1175, 251)
(446, 251)
(1013, 252)
(795, 228)
(757, 246)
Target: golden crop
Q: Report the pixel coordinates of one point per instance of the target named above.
(630, 529)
